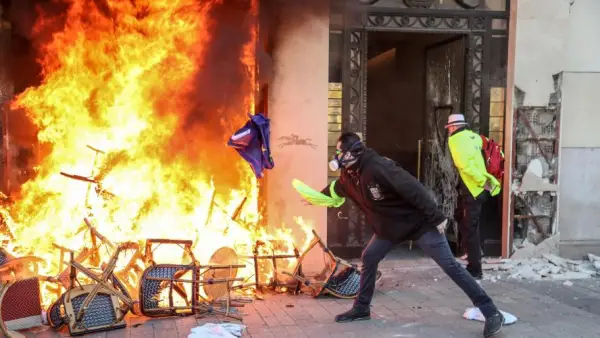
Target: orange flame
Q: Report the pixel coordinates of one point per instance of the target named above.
(119, 79)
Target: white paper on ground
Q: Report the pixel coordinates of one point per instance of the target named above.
(473, 313)
(211, 330)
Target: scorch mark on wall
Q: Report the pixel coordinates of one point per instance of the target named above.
(295, 140)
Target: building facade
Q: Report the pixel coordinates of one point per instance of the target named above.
(523, 72)
(556, 77)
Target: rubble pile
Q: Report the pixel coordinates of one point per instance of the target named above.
(548, 267)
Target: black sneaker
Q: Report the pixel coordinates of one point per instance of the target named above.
(352, 315)
(493, 325)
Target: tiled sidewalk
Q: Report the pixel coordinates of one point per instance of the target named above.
(414, 299)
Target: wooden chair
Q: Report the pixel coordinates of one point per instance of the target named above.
(338, 278)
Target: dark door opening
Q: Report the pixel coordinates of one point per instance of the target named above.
(414, 81)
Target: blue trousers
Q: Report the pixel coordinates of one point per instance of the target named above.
(434, 245)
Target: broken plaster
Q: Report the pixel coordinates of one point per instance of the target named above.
(533, 179)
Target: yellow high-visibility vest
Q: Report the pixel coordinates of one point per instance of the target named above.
(465, 147)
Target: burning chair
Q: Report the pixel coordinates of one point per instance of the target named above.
(339, 278)
(93, 307)
(258, 250)
(119, 279)
(159, 282)
(19, 294)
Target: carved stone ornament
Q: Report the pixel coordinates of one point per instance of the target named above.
(469, 4)
(419, 3)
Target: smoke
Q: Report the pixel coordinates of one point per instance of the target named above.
(224, 82)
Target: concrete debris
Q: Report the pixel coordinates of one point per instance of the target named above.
(556, 260)
(548, 267)
(593, 258)
(533, 178)
(530, 250)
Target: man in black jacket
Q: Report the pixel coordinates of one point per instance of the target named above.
(399, 208)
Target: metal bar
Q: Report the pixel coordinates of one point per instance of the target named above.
(530, 216)
(485, 86)
(199, 281)
(271, 257)
(419, 150)
(444, 13)
(534, 219)
(212, 267)
(256, 275)
(274, 262)
(544, 139)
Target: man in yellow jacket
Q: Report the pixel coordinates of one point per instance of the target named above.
(476, 185)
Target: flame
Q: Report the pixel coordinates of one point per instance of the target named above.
(118, 78)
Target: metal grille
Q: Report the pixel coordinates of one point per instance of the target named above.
(536, 138)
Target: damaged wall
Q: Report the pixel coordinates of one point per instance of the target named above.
(557, 78)
(541, 35)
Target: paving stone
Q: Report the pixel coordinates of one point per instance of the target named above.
(294, 331)
(415, 299)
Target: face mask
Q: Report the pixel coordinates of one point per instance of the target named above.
(338, 160)
(335, 165)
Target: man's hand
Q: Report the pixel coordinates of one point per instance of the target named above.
(487, 186)
(442, 226)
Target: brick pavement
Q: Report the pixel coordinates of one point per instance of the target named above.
(414, 299)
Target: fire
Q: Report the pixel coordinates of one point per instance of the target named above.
(114, 106)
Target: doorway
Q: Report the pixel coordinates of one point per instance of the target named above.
(415, 80)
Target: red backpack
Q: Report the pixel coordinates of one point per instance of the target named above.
(493, 157)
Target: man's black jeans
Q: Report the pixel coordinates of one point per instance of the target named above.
(469, 228)
(434, 245)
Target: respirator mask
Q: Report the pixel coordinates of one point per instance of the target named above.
(339, 161)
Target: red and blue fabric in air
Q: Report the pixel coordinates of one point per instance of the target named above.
(252, 142)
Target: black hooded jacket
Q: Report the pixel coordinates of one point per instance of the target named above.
(397, 206)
